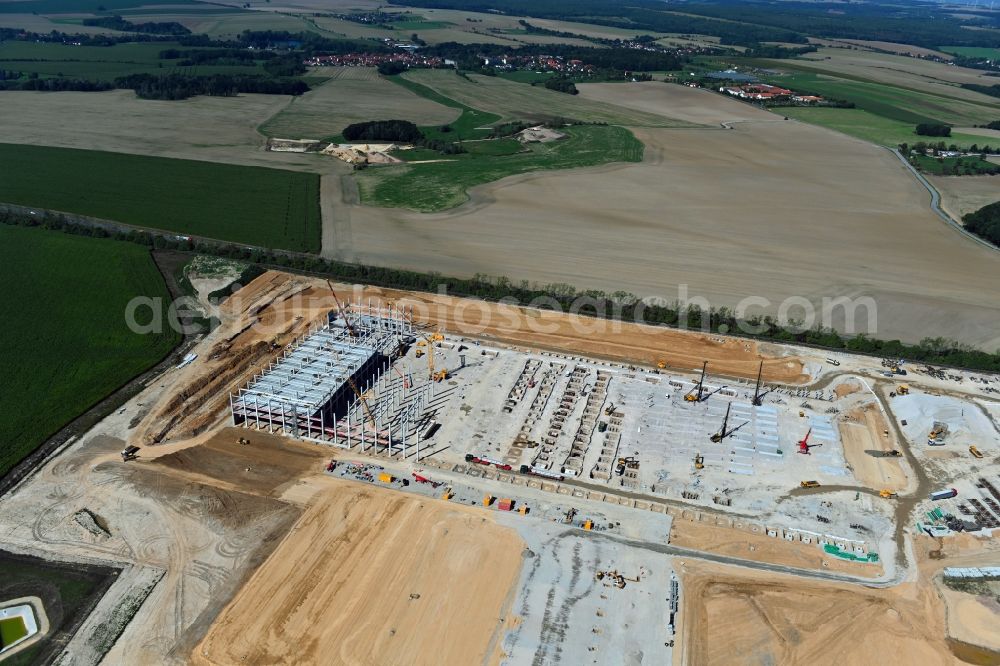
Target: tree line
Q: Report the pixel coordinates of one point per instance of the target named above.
(557, 297)
(152, 27)
(177, 86)
(985, 223)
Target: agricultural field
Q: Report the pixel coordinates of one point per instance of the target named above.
(519, 101)
(966, 194)
(897, 71)
(214, 129)
(66, 342)
(266, 207)
(444, 183)
(600, 228)
(891, 102)
(102, 63)
(351, 95)
(868, 126)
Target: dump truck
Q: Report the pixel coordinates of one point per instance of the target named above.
(947, 493)
(129, 453)
(809, 484)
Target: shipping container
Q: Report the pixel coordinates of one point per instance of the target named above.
(944, 494)
(505, 504)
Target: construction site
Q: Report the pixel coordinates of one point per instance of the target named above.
(345, 475)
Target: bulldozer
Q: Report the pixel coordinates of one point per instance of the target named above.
(699, 461)
(885, 493)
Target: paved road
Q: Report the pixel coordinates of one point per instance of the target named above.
(936, 202)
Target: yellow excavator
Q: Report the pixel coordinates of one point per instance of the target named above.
(885, 493)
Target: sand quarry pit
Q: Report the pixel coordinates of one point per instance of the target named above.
(369, 576)
(863, 433)
(812, 221)
(772, 619)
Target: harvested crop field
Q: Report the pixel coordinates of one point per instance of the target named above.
(519, 101)
(771, 619)
(373, 576)
(214, 129)
(690, 218)
(961, 195)
(351, 95)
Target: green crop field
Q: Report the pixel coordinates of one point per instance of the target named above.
(102, 63)
(891, 102)
(868, 126)
(259, 206)
(472, 124)
(66, 342)
(972, 51)
(440, 185)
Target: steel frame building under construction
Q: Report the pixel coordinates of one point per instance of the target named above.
(334, 385)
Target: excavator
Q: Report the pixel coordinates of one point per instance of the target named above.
(885, 493)
(696, 393)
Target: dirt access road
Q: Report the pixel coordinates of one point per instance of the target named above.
(770, 209)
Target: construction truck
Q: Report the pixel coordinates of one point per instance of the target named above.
(903, 389)
(130, 453)
(885, 493)
(975, 451)
(661, 364)
(809, 484)
(699, 461)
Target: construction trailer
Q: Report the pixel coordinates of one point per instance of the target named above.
(335, 385)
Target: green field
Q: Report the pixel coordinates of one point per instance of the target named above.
(102, 63)
(66, 342)
(868, 126)
(266, 207)
(972, 51)
(891, 102)
(420, 24)
(472, 124)
(441, 185)
(953, 166)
